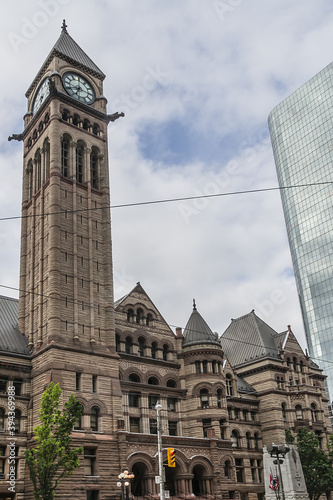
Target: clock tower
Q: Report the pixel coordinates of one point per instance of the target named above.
(66, 305)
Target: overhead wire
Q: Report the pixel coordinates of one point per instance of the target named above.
(92, 306)
(167, 200)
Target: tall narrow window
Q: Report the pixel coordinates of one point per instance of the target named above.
(129, 345)
(94, 418)
(172, 428)
(65, 157)
(206, 424)
(2, 420)
(94, 169)
(299, 412)
(78, 421)
(46, 148)
(228, 384)
(38, 164)
(89, 461)
(153, 350)
(219, 397)
(165, 352)
(142, 346)
(78, 381)
(94, 383)
(152, 426)
(2, 461)
(79, 163)
(204, 398)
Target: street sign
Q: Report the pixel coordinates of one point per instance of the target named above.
(166, 494)
(157, 480)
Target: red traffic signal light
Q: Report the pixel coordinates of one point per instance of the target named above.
(171, 457)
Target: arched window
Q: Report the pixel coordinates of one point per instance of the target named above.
(96, 129)
(214, 366)
(79, 162)
(227, 469)
(142, 346)
(17, 421)
(130, 314)
(2, 420)
(235, 441)
(149, 319)
(299, 412)
(129, 345)
(314, 412)
(30, 171)
(65, 115)
(171, 383)
(153, 350)
(38, 170)
(295, 364)
(165, 352)
(228, 383)
(288, 362)
(248, 440)
(117, 343)
(283, 408)
(65, 156)
(86, 124)
(256, 441)
(219, 397)
(204, 398)
(153, 381)
(76, 120)
(94, 418)
(46, 147)
(139, 316)
(78, 421)
(301, 366)
(94, 168)
(134, 378)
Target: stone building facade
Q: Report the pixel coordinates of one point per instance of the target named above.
(222, 398)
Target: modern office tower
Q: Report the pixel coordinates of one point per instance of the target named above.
(302, 138)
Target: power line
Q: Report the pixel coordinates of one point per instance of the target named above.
(89, 306)
(168, 200)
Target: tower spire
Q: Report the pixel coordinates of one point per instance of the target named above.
(64, 27)
(194, 305)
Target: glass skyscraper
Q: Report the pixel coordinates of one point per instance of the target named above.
(301, 130)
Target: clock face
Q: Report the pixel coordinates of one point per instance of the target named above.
(78, 87)
(42, 94)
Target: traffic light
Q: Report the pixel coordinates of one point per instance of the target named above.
(171, 457)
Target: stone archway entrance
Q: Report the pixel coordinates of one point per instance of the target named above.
(170, 479)
(139, 486)
(200, 483)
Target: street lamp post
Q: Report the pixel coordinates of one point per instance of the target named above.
(124, 482)
(158, 408)
(278, 451)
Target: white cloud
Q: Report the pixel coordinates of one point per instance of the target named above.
(222, 77)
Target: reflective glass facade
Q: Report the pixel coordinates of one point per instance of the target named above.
(301, 130)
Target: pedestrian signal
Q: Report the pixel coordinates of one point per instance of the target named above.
(171, 457)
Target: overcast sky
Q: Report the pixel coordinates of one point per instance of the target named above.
(196, 80)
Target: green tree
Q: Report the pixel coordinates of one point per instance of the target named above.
(290, 438)
(317, 468)
(52, 458)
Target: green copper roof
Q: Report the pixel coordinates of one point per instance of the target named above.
(197, 331)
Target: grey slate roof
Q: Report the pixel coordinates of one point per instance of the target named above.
(11, 339)
(197, 331)
(248, 338)
(67, 49)
(244, 386)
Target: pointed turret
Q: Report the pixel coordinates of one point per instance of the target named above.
(197, 331)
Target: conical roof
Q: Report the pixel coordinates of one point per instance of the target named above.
(67, 49)
(197, 331)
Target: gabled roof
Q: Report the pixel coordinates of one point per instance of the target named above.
(248, 338)
(11, 339)
(197, 331)
(139, 295)
(244, 386)
(67, 49)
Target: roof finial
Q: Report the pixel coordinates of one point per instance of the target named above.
(64, 26)
(194, 305)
